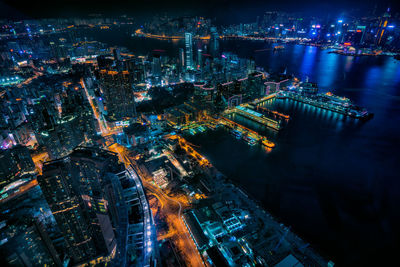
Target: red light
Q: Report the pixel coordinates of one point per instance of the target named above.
(347, 44)
(358, 30)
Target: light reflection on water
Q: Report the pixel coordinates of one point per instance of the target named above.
(333, 179)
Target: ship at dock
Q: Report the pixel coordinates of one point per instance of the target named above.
(267, 143)
(308, 93)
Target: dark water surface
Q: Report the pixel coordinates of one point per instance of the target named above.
(335, 181)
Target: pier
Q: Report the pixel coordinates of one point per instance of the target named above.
(246, 131)
(264, 116)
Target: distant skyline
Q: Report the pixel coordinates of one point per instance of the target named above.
(224, 11)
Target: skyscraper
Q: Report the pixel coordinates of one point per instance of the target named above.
(182, 58)
(116, 54)
(119, 100)
(66, 206)
(156, 66)
(189, 50)
(199, 59)
(214, 44)
(63, 138)
(100, 208)
(74, 189)
(136, 67)
(383, 23)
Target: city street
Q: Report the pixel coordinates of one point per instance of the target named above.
(171, 209)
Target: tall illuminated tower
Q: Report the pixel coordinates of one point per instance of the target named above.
(199, 61)
(181, 58)
(383, 23)
(189, 50)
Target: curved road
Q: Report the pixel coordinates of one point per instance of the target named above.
(172, 210)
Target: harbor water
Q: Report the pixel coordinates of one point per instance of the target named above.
(333, 180)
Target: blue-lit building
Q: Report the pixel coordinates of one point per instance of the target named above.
(188, 50)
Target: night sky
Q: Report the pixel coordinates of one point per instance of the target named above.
(228, 11)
